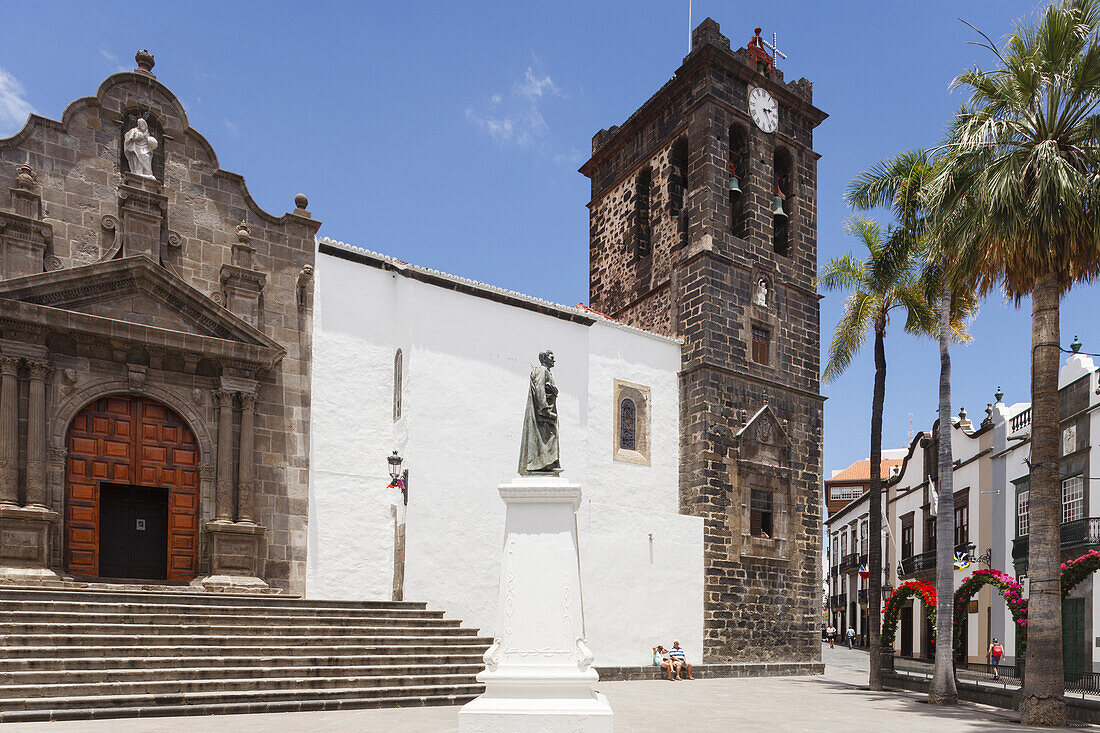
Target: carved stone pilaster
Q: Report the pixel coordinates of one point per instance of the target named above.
(24, 241)
(9, 431)
(242, 287)
(38, 371)
(142, 207)
(223, 500)
(245, 488)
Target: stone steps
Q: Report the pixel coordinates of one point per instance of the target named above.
(199, 625)
(36, 609)
(409, 645)
(110, 701)
(300, 683)
(62, 712)
(199, 664)
(45, 678)
(76, 653)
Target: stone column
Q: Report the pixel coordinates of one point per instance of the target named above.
(246, 490)
(223, 502)
(9, 431)
(36, 434)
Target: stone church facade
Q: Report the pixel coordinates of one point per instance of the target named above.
(154, 354)
(159, 387)
(703, 227)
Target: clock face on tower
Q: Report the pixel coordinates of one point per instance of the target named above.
(764, 109)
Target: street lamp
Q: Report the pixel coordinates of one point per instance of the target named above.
(986, 558)
(400, 478)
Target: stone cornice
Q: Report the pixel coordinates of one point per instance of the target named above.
(223, 351)
(704, 364)
(69, 288)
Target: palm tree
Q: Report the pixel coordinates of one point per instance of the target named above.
(901, 183)
(886, 280)
(1020, 183)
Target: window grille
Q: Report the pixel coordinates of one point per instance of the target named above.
(628, 414)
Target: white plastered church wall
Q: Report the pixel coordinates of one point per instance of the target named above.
(350, 529)
(638, 591)
(467, 362)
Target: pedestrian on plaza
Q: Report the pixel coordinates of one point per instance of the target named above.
(662, 660)
(831, 633)
(851, 634)
(679, 657)
(995, 652)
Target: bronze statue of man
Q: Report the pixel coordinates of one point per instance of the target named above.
(538, 451)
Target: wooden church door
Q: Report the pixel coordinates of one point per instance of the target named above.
(131, 484)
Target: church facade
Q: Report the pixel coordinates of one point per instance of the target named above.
(154, 353)
(172, 411)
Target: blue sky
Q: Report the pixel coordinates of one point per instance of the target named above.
(449, 134)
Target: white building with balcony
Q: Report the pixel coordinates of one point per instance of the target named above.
(990, 500)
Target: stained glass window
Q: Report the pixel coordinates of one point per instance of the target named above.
(628, 425)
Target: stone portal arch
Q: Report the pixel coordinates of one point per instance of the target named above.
(128, 443)
(892, 610)
(1007, 586)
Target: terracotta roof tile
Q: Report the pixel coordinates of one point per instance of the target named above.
(861, 470)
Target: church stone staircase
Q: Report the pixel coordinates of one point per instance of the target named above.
(80, 654)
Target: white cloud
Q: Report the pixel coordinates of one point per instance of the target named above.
(515, 118)
(14, 108)
(112, 60)
(231, 127)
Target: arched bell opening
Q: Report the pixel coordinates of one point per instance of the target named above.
(737, 174)
(783, 197)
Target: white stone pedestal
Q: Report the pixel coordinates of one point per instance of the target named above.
(539, 674)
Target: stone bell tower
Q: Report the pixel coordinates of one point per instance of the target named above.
(703, 226)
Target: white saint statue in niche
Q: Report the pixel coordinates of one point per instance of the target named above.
(139, 146)
(761, 296)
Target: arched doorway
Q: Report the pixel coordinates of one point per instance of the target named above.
(131, 492)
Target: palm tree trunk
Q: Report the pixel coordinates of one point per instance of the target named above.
(943, 690)
(1043, 700)
(874, 559)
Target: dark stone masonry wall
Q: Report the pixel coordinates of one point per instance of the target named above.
(743, 425)
(249, 287)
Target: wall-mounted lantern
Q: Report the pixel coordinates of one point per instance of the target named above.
(400, 477)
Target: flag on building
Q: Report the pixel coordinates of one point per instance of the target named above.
(864, 572)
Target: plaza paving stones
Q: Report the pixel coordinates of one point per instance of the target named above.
(837, 701)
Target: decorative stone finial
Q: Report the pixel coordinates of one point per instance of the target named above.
(144, 61)
(962, 413)
(301, 201)
(244, 234)
(988, 410)
(26, 178)
(999, 394)
(1076, 345)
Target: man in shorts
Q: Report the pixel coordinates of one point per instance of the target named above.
(680, 660)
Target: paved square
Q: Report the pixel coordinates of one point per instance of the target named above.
(837, 701)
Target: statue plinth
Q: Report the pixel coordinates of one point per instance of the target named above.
(539, 674)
